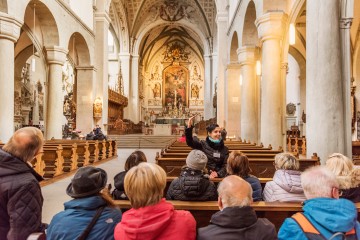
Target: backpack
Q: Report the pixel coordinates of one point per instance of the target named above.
(312, 233)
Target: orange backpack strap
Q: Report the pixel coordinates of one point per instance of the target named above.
(307, 227)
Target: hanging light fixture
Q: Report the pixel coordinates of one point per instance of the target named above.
(33, 57)
(258, 67)
(292, 34)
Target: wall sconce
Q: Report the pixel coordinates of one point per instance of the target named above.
(258, 67)
(292, 34)
(97, 109)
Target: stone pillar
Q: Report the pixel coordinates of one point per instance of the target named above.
(124, 59)
(208, 104)
(233, 91)
(222, 22)
(9, 33)
(271, 26)
(249, 111)
(324, 96)
(134, 110)
(56, 56)
(102, 21)
(345, 24)
(85, 98)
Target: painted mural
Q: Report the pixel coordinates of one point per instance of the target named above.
(175, 86)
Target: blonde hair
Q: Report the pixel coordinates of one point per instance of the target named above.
(339, 164)
(286, 161)
(25, 143)
(144, 184)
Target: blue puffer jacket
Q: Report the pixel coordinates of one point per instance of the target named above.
(69, 224)
(256, 187)
(328, 215)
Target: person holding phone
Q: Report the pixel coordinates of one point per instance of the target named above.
(213, 146)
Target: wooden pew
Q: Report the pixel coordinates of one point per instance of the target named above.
(276, 212)
(69, 154)
(93, 150)
(249, 153)
(82, 149)
(261, 168)
(52, 161)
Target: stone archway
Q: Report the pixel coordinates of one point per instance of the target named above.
(250, 34)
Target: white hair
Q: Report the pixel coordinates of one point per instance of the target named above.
(233, 198)
(318, 182)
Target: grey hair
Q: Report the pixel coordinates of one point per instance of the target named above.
(318, 182)
(229, 198)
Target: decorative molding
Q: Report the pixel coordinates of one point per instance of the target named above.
(9, 27)
(345, 23)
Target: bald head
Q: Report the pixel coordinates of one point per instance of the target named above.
(234, 191)
(25, 143)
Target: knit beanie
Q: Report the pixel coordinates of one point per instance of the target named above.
(196, 160)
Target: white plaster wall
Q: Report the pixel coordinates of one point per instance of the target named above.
(84, 9)
(293, 82)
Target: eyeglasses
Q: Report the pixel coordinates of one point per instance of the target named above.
(340, 192)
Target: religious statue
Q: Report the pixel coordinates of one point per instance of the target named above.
(157, 91)
(97, 108)
(66, 107)
(195, 91)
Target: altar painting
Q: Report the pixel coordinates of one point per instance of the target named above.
(175, 86)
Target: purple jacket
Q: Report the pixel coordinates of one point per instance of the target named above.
(285, 187)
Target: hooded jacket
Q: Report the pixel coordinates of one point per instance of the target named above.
(211, 150)
(328, 215)
(192, 185)
(350, 185)
(285, 187)
(20, 198)
(233, 223)
(71, 223)
(159, 221)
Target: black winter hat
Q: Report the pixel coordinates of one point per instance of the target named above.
(87, 181)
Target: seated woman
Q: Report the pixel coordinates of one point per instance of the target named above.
(133, 160)
(193, 185)
(286, 183)
(151, 217)
(348, 176)
(87, 204)
(238, 164)
(213, 147)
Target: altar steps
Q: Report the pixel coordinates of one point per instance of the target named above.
(142, 141)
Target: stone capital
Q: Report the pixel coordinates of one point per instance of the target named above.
(86, 68)
(9, 27)
(271, 25)
(56, 55)
(233, 66)
(222, 17)
(247, 55)
(102, 17)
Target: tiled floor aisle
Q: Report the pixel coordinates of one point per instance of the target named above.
(55, 195)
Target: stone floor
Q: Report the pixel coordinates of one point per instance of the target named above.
(55, 195)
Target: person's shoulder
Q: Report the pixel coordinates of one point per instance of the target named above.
(290, 230)
(185, 216)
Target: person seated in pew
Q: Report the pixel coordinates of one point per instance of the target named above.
(193, 184)
(325, 215)
(236, 218)
(347, 175)
(88, 205)
(151, 217)
(182, 138)
(238, 164)
(286, 183)
(133, 160)
(214, 148)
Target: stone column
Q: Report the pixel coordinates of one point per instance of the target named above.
(102, 21)
(271, 26)
(249, 111)
(85, 98)
(233, 91)
(134, 110)
(56, 56)
(324, 96)
(345, 24)
(9, 33)
(124, 59)
(208, 105)
(222, 22)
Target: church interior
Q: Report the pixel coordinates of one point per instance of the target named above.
(283, 73)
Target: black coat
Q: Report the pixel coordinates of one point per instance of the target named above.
(210, 149)
(237, 223)
(20, 198)
(119, 191)
(192, 185)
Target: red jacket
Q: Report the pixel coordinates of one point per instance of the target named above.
(159, 221)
